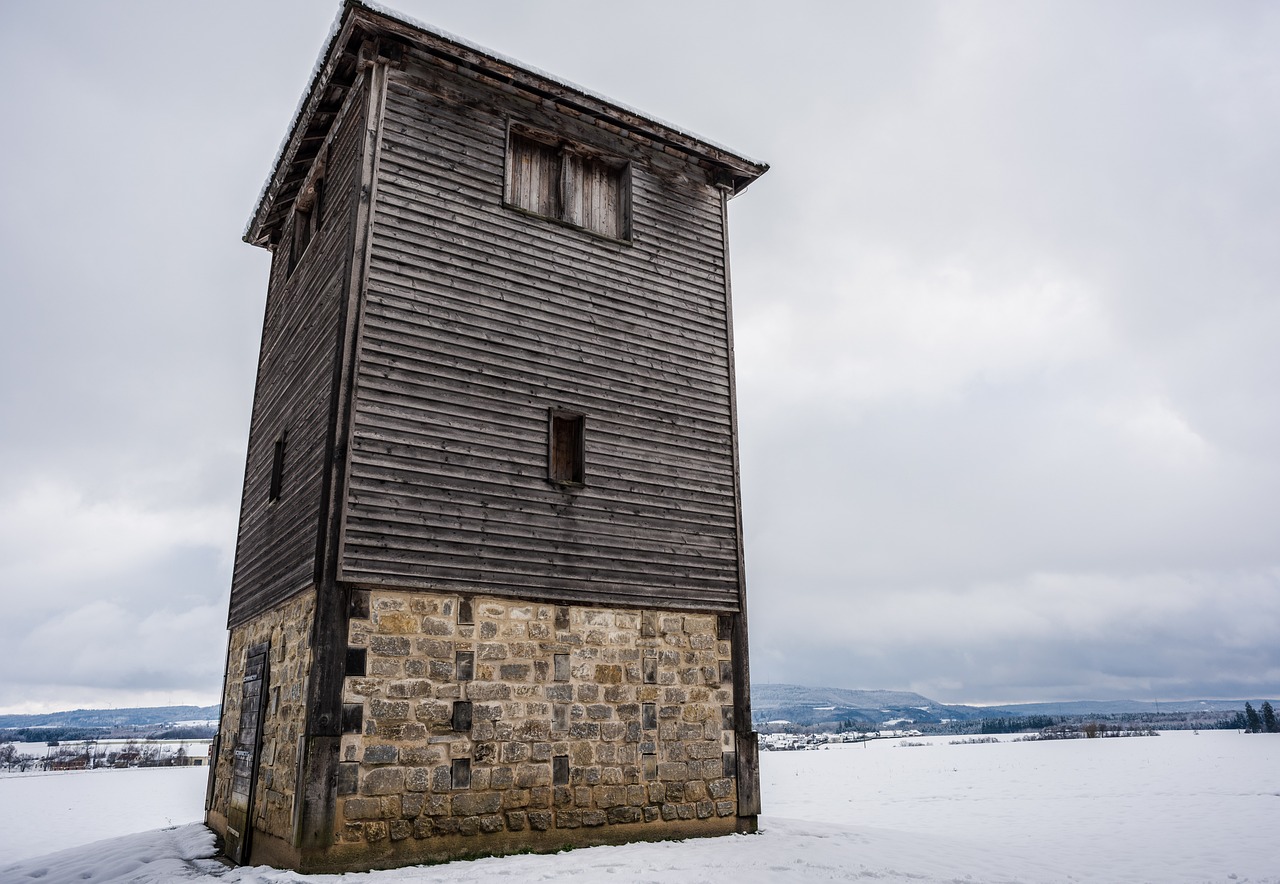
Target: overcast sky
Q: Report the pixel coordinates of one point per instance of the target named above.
(1007, 317)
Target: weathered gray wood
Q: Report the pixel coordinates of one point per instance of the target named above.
(668, 290)
(492, 454)
(423, 148)
(472, 198)
(315, 825)
(682, 446)
(525, 373)
(746, 743)
(277, 547)
(246, 749)
(621, 126)
(478, 319)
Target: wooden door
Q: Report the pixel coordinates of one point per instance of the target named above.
(248, 746)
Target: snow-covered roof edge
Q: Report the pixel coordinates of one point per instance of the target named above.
(657, 122)
(343, 21)
(316, 70)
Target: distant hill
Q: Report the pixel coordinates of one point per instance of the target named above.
(146, 716)
(816, 707)
(1117, 707)
(798, 704)
(807, 706)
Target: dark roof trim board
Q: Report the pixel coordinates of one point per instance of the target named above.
(338, 67)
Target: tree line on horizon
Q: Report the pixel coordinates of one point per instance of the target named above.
(1252, 722)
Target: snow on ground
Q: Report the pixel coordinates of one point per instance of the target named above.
(44, 812)
(1173, 809)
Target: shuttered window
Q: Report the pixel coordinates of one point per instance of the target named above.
(566, 184)
(533, 180)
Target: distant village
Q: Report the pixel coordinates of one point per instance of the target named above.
(58, 755)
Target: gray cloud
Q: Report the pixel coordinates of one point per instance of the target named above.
(1006, 329)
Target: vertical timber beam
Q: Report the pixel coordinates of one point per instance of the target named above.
(746, 750)
(317, 786)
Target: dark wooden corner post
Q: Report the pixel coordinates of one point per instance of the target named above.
(318, 763)
(746, 748)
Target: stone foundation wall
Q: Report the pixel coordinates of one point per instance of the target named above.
(519, 723)
(288, 627)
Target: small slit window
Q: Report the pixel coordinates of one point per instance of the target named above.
(567, 183)
(277, 468)
(566, 456)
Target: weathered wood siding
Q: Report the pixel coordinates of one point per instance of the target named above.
(277, 547)
(479, 318)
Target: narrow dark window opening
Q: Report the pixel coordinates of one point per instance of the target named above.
(465, 665)
(352, 718)
(317, 206)
(348, 777)
(566, 456)
(462, 716)
(560, 770)
(461, 771)
(358, 609)
(357, 661)
(277, 467)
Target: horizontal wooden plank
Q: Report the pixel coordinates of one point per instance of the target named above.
(652, 262)
(395, 372)
(480, 123)
(586, 594)
(468, 415)
(535, 519)
(384, 488)
(451, 310)
(418, 230)
(454, 566)
(429, 139)
(452, 424)
(447, 284)
(369, 463)
(488, 339)
(528, 455)
(477, 541)
(393, 352)
(644, 289)
(662, 213)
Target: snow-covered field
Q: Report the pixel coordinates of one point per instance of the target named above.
(1174, 809)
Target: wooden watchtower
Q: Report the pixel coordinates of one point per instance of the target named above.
(488, 591)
